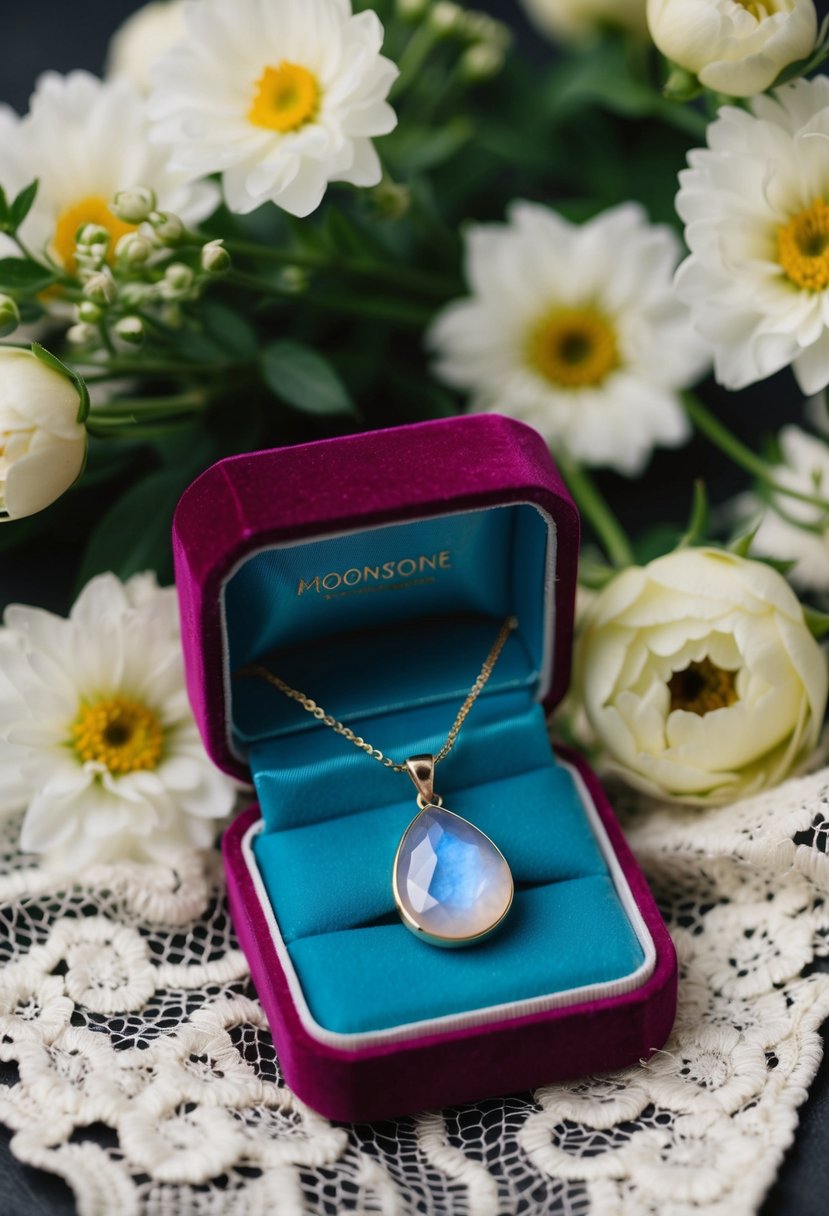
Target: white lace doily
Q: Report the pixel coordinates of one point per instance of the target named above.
(141, 1071)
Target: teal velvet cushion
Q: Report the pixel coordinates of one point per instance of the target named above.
(329, 878)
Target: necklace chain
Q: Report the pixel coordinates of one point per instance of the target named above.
(339, 728)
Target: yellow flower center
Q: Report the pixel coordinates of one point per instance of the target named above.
(573, 347)
(803, 247)
(90, 210)
(120, 733)
(701, 687)
(286, 98)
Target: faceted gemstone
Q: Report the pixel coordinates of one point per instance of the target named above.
(452, 883)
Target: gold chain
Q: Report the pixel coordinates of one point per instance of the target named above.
(340, 728)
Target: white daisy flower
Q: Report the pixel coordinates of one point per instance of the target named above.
(143, 38)
(578, 20)
(796, 531)
(757, 224)
(84, 140)
(576, 330)
(279, 96)
(99, 743)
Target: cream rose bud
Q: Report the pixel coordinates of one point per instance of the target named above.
(738, 47)
(700, 676)
(42, 443)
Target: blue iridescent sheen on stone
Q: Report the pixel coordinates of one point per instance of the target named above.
(452, 883)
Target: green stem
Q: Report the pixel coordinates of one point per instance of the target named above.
(743, 456)
(399, 276)
(417, 51)
(594, 508)
(149, 408)
(115, 370)
(410, 315)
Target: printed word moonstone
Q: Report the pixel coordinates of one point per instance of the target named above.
(452, 883)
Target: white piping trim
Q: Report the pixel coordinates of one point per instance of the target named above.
(477, 1017)
(548, 617)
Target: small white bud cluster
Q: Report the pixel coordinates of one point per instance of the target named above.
(490, 41)
(154, 269)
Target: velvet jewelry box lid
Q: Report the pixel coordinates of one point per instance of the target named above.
(369, 1022)
(247, 503)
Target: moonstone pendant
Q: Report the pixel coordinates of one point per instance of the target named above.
(452, 885)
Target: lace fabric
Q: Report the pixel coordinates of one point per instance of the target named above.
(140, 1068)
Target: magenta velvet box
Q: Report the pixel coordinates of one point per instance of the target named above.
(372, 572)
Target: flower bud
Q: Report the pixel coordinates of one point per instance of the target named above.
(130, 330)
(392, 200)
(215, 259)
(411, 10)
(92, 235)
(133, 295)
(134, 249)
(178, 280)
(101, 288)
(134, 206)
(734, 49)
(9, 316)
(88, 312)
(294, 278)
(481, 62)
(480, 27)
(167, 227)
(82, 335)
(43, 444)
(446, 18)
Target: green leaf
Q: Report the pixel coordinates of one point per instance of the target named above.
(419, 149)
(805, 67)
(230, 330)
(5, 214)
(817, 621)
(302, 378)
(22, 205)
(135, 533)
(52, 361)
(741, 545)
(28, 278)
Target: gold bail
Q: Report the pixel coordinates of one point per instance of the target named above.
(421, 769)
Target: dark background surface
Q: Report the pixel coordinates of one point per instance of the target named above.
(60, 36)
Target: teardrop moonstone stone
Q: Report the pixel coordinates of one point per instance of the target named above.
(451, 883)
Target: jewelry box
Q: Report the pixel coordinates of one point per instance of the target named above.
(372, 573)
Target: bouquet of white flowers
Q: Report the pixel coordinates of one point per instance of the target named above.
(276, 220)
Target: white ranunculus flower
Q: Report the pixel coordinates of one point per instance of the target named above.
(757, 224)
(281, 99)
(84, 140)
(795, 531)
(143, 38)
(737, 47)
(575, 330)
(577, 20)
(42, 443)
(99, 742)
(700, 676)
